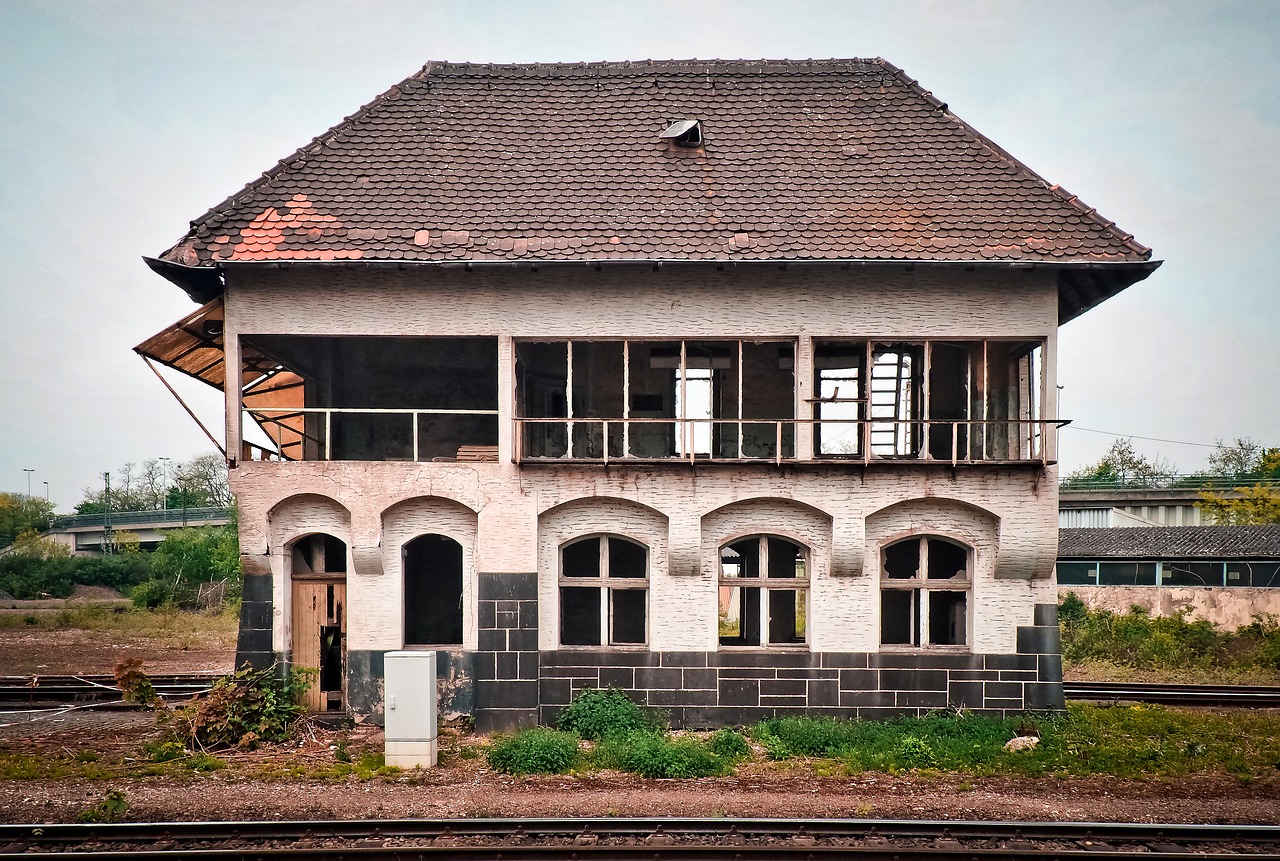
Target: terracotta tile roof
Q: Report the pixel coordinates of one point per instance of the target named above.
(802, 160)
(1171, 542)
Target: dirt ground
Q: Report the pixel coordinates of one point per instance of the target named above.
(464, 787)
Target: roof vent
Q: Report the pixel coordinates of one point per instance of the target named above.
(687, 133)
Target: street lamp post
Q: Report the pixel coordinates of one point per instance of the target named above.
(28, 472)
(164, 482)
(46, 491)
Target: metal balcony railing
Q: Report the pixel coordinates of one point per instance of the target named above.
(754, 440)
(322, 433)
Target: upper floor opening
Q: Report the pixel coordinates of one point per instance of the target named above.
(779, 400)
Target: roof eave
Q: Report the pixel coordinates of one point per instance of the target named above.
(202, 283)
(1081, 284)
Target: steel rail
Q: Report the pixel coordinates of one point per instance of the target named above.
(98, 688)
(1183, 695)
(644, 839)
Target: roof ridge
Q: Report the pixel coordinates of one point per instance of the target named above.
(1073, 200)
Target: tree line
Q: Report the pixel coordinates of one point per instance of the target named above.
(1240, 487)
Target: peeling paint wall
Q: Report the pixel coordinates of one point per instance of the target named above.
(511, 519)
(1227, 607)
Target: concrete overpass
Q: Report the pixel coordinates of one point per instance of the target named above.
(83, 533)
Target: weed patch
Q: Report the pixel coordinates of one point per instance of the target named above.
(594, 714)
(534, 751)
(242, 709)
(658, 754)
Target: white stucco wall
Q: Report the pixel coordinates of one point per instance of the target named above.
(522, 513)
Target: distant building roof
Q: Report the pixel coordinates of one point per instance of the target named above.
(814, 160)
(1170, 542)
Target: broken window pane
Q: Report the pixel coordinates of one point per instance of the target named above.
(433, 591)
(951, 372)
(1191, 574)
(838, 378)
(742, 608)
(894, 399)
(935, 612)
(946, 560)
(902, 560)
(898, 609)
(947, 623)
(541, 383)
(615, 564)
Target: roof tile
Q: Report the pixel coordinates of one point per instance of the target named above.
(817, 159)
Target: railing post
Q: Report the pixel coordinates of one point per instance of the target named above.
(955, 441)
(415, 436)
(604, 443)
(328, 435)
(778, 443)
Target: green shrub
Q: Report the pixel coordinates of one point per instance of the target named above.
(657, 754)
(594, 714)
(729, 744)
(242, 709)
(805, 736)
(152, 594)
(534, 751)
(1137, 639)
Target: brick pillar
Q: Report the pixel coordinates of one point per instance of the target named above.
(506, 658)
(1044, 641)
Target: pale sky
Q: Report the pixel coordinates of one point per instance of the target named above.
(124, 120)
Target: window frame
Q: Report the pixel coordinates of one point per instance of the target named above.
(607, 585)
(766, 584)
(921, 583)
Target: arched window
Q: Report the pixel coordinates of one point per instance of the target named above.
(433, 591)
(764, 589)
(924, 592)
(604, 591)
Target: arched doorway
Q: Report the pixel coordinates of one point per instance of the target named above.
(318, 572)
(433, 591)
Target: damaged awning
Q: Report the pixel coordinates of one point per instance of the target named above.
(194, 346)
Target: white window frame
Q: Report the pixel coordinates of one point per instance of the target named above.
(919, 621)
(766, 584)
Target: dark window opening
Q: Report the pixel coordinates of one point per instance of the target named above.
(924, 593)
(939, 400)
(612, 610)
(746, 616)
(1077, 573)
(602, 400)
(433, 591)
(319, 554)
(374, 398)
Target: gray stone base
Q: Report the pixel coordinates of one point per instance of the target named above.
(713, 689)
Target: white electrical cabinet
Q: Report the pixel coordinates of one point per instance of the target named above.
(409, 708)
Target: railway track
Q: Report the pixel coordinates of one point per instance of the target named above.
(48, 691)
(54, 690)
(638, 839)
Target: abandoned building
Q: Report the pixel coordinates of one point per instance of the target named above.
(1229, 575)
(728, 384)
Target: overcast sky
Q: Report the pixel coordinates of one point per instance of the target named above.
(125, 120)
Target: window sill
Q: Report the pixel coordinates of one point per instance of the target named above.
(629, 647)
(926, 650)
(772, 647)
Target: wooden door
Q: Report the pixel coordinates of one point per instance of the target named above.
(320, 640)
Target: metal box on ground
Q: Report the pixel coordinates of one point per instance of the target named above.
(409, 708)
